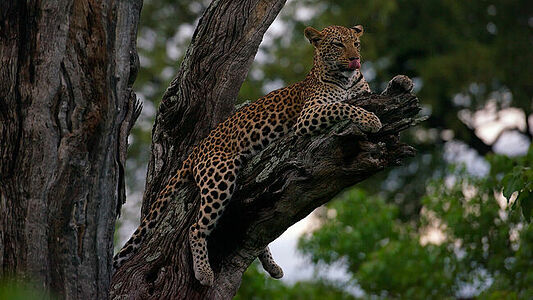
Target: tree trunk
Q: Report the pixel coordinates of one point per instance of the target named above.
(66, 108)
(276, 188)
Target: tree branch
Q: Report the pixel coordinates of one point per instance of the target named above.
(276, 188)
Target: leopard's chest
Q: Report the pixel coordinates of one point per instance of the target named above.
(331, 94)
(340, 95)
(339, 89)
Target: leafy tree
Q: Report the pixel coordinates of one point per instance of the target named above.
(518, 179)
(481, 240)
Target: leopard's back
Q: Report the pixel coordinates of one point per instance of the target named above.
(254, 126)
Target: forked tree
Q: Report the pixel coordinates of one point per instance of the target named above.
(66, 107)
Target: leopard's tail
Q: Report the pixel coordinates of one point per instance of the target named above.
(182, 176)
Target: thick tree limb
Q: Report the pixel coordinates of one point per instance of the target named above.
(276, 188)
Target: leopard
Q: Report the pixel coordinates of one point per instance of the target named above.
(306, 107)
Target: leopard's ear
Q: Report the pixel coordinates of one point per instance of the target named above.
(358, 30)
(314, 36)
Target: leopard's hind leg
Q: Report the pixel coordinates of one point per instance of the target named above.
(215, 177)
(268, 263)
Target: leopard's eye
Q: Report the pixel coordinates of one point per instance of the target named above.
(356, 44)
(338, 44)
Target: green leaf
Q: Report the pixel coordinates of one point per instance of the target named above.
(526, 203)
(512, 182)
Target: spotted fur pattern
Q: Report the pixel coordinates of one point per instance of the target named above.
(307, 107)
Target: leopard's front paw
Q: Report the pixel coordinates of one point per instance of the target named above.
(370, 123)
(399, 84)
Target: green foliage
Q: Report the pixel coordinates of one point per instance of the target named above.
(518, 178)
(382, 253)
(376, 223)
(479, 240)
(256, 285)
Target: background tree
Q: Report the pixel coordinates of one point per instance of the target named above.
(465, 241)
(66, 109)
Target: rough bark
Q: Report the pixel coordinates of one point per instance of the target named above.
(66, 108)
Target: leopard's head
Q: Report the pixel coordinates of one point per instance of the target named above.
(337, 48)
